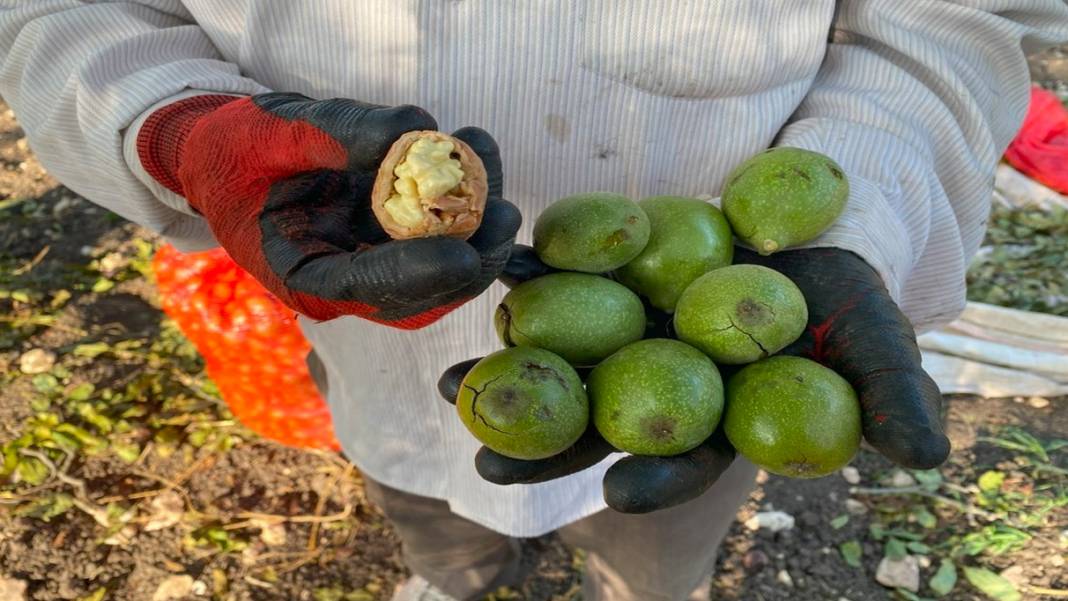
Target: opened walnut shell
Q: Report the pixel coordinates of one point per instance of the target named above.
(425, 188)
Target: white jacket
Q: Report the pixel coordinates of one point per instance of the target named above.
(916, 99)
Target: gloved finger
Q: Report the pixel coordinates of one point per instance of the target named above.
(366, 131)
(589, 450)
(451, 379)
(486, 148)
(523, 264)
(643, 484)
(394, 274)
(496, 234)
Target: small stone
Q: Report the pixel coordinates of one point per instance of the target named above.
(173, 587)
(833, 496)
(754, 561)
(62, 205)
(809, 519)
(855, 507)
(851, 474)
(761, 477)
(784, 578)
(1015, 575)
(37, 361)
(167, 510)
(900, 479)
(924, 561)
(903, 573)
(843, 599)
(1057, 560)
(774, 521)
(1018, 399)
(86, 251)
(273, 534)
(799, 498)
(1038, 402)
(112, 263)
(200, 588)
(12, 590)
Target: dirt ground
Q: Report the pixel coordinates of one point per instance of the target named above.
(205, 507)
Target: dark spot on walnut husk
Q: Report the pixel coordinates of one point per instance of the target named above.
(659, 427)
(836, 172)
(753, 313)
(615, 238)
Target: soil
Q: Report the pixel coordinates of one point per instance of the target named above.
(334, 542)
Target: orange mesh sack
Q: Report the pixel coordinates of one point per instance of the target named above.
(252, 347)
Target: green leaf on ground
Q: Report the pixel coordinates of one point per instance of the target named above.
(895, 549)
(990, 482)
(81, 392)
(924, 518)
(97, 595)
(944, 579)
(46, 508)
(991, 585)
(851, 552)
(928, 479)
(918, 548)
(91, 350)
(839, 521)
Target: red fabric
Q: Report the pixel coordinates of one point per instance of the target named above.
(252, 348)
(1040, 149)
(223, 155)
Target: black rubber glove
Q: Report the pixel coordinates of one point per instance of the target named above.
(284, 181)
(854, 328)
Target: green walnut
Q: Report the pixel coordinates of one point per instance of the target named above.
(592, 233)
(656, 397)
(793, 417)
(784, 197)
(688, 237)
(741, 313)
(581, 317)
(524, 403)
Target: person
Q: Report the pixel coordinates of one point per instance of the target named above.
(258, 126)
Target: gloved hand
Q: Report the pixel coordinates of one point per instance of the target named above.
(854, 328)
(284, 182)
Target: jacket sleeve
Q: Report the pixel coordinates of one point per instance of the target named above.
(917, 101)
(79, 74)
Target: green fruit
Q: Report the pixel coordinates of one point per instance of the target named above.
(741, 313)
(792, 417)
(594, 233)
(784, 197)
(524, 403)
(656, 397)
(583, 318)
(688, 237)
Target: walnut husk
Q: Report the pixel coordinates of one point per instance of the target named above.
(457, 213)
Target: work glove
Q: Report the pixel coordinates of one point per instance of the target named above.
(285, 183)
(854, 328)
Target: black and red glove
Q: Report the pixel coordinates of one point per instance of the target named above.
(285, 182)
(854, 328)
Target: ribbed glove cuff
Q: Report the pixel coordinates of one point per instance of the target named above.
(162, 136)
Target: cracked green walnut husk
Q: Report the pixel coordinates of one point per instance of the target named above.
(741, 313)
(792, 417)
(524, 403)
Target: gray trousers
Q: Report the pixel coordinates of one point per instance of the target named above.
(666, 555)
